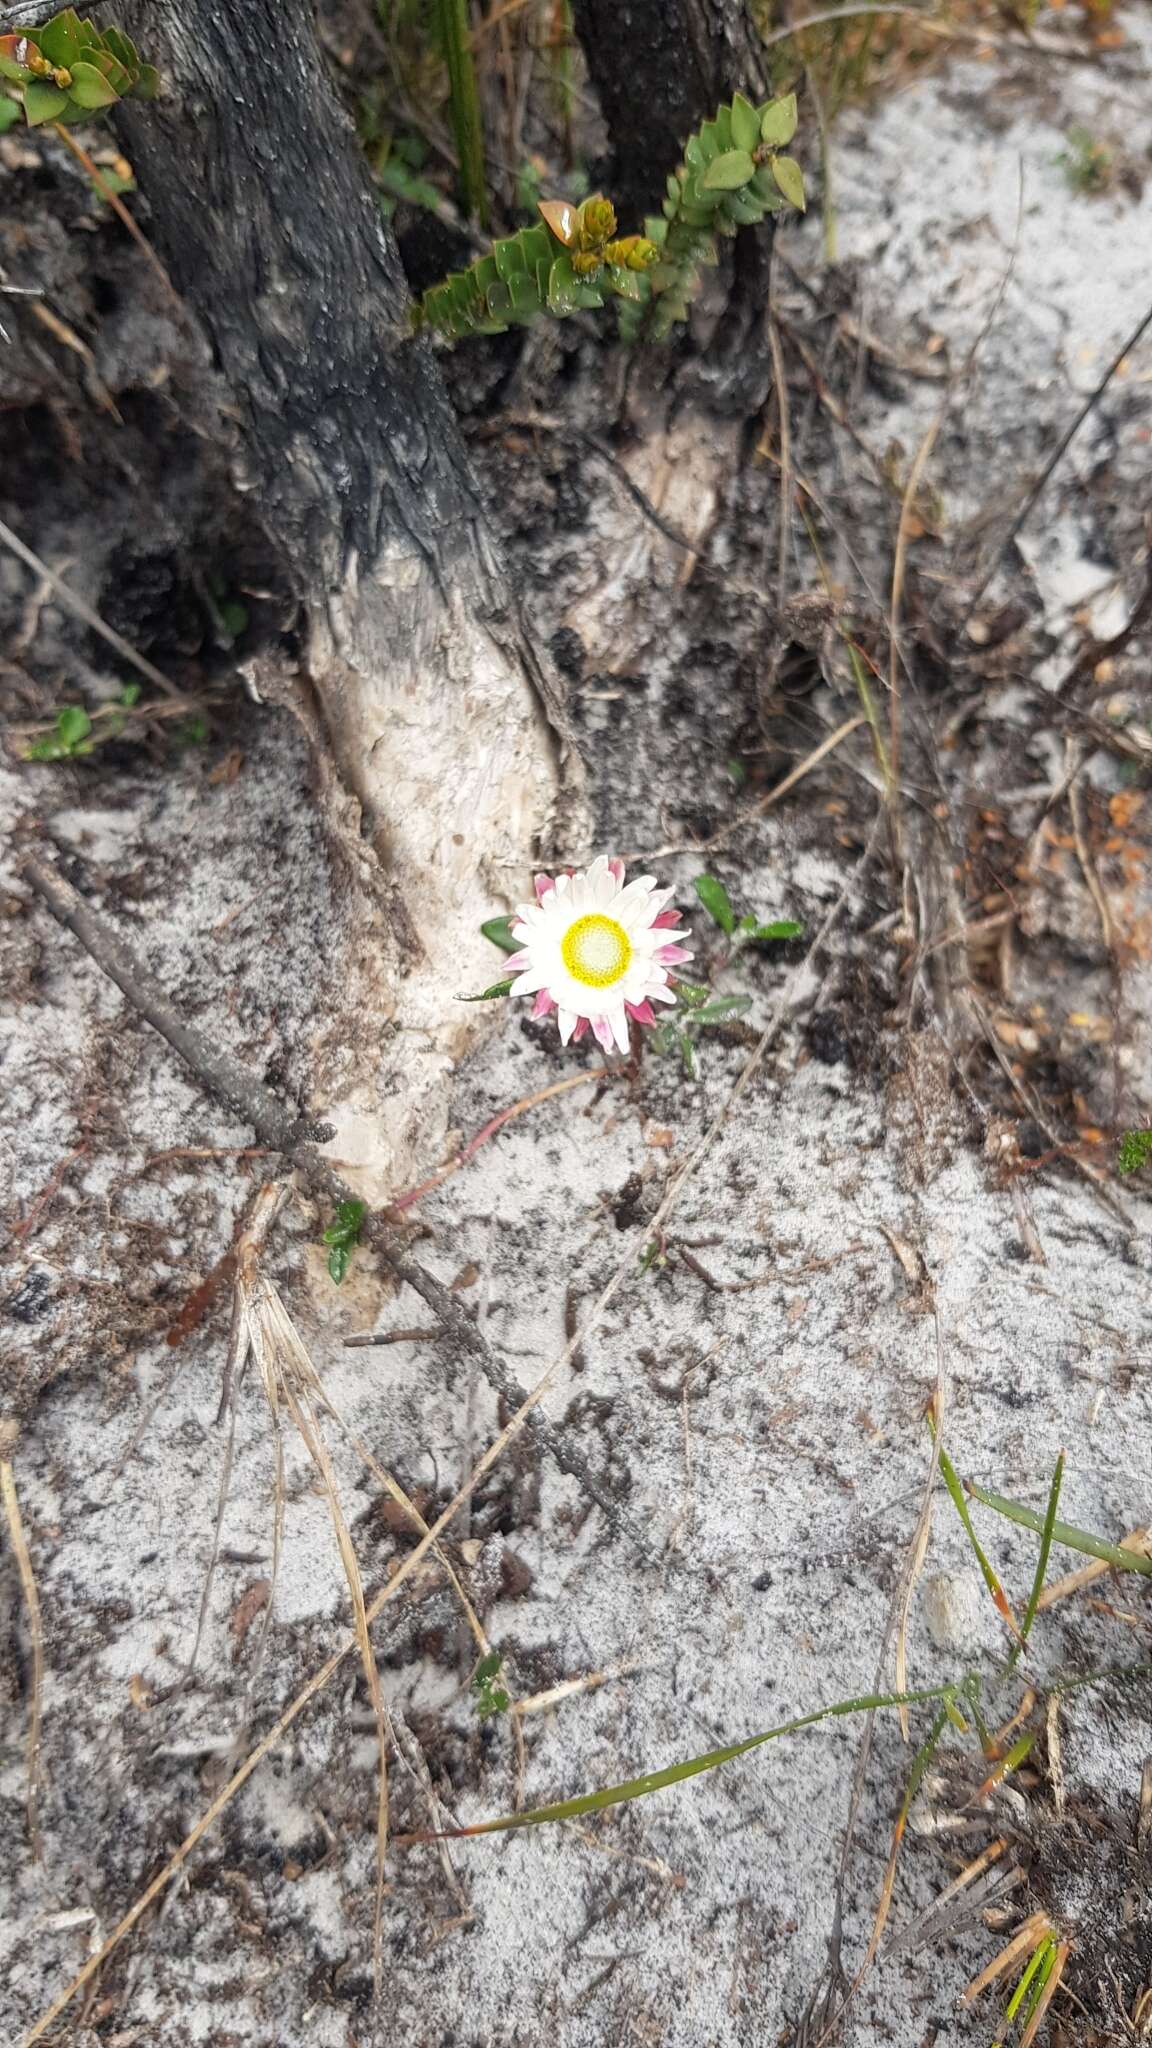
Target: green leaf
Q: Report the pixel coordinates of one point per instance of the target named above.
(790, 179)
(686, 1055)
(728, 172)
(43, 102)
(147, 86)
(60, 40)
(784, 928)
(1135, 1151)
(714, 896)
(10, 111)
(234, 617)
(499, 930)
(487, 1667)
(350, 1216)
(745, 123)
(1063, 1532)
(131, 694)
(73, 726)
(489, 995)
(778, 122)
(691, 993)
(90, 88)
(338, 1259)
(724, 1006)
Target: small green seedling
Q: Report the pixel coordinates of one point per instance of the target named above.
(343, 1236)
(490, 1698)
(699, 1008)
(71, 735)
(1086, 163)
(743, 931)
(1135, 1151)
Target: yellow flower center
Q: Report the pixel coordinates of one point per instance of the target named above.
(596, 951)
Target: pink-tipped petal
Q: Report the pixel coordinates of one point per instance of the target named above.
(616, 869)
(602, 1026)
(544, 886)
(517, 962)
(581, 1027)
(543, 1004)
(666, 920)
(643, 1013)
(669, 956)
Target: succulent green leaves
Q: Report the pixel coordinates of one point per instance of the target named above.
(70, 69)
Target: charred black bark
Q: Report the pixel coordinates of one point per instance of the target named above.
(661, 67)
(263, 211)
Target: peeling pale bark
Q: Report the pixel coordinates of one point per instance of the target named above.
(442, 724)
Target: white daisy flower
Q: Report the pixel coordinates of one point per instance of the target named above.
(597, 951)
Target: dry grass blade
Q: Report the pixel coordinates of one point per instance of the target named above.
(626, 1266)
(16, 1536)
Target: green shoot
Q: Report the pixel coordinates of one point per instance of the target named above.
(489, 995)
(490, 1699)
(454, 33)
(1041, 1561)
(1135, 1151)
(1043, 1954)
(343, 1235)
(71, 735)
(949, 1475)
(675, 1774)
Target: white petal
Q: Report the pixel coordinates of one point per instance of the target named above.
(567, 1020)
(656, 994)
(528, 983)
(618, 1019)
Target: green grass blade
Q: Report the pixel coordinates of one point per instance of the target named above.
(454, 30)
(956, 1492)
(674, 1774)
(1062, 1532)
(1041, 1561)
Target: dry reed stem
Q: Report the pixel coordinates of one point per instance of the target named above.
(625, 1267)
(16, 1536)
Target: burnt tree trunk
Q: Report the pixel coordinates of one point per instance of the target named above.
(660, 67)
(435, 710)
